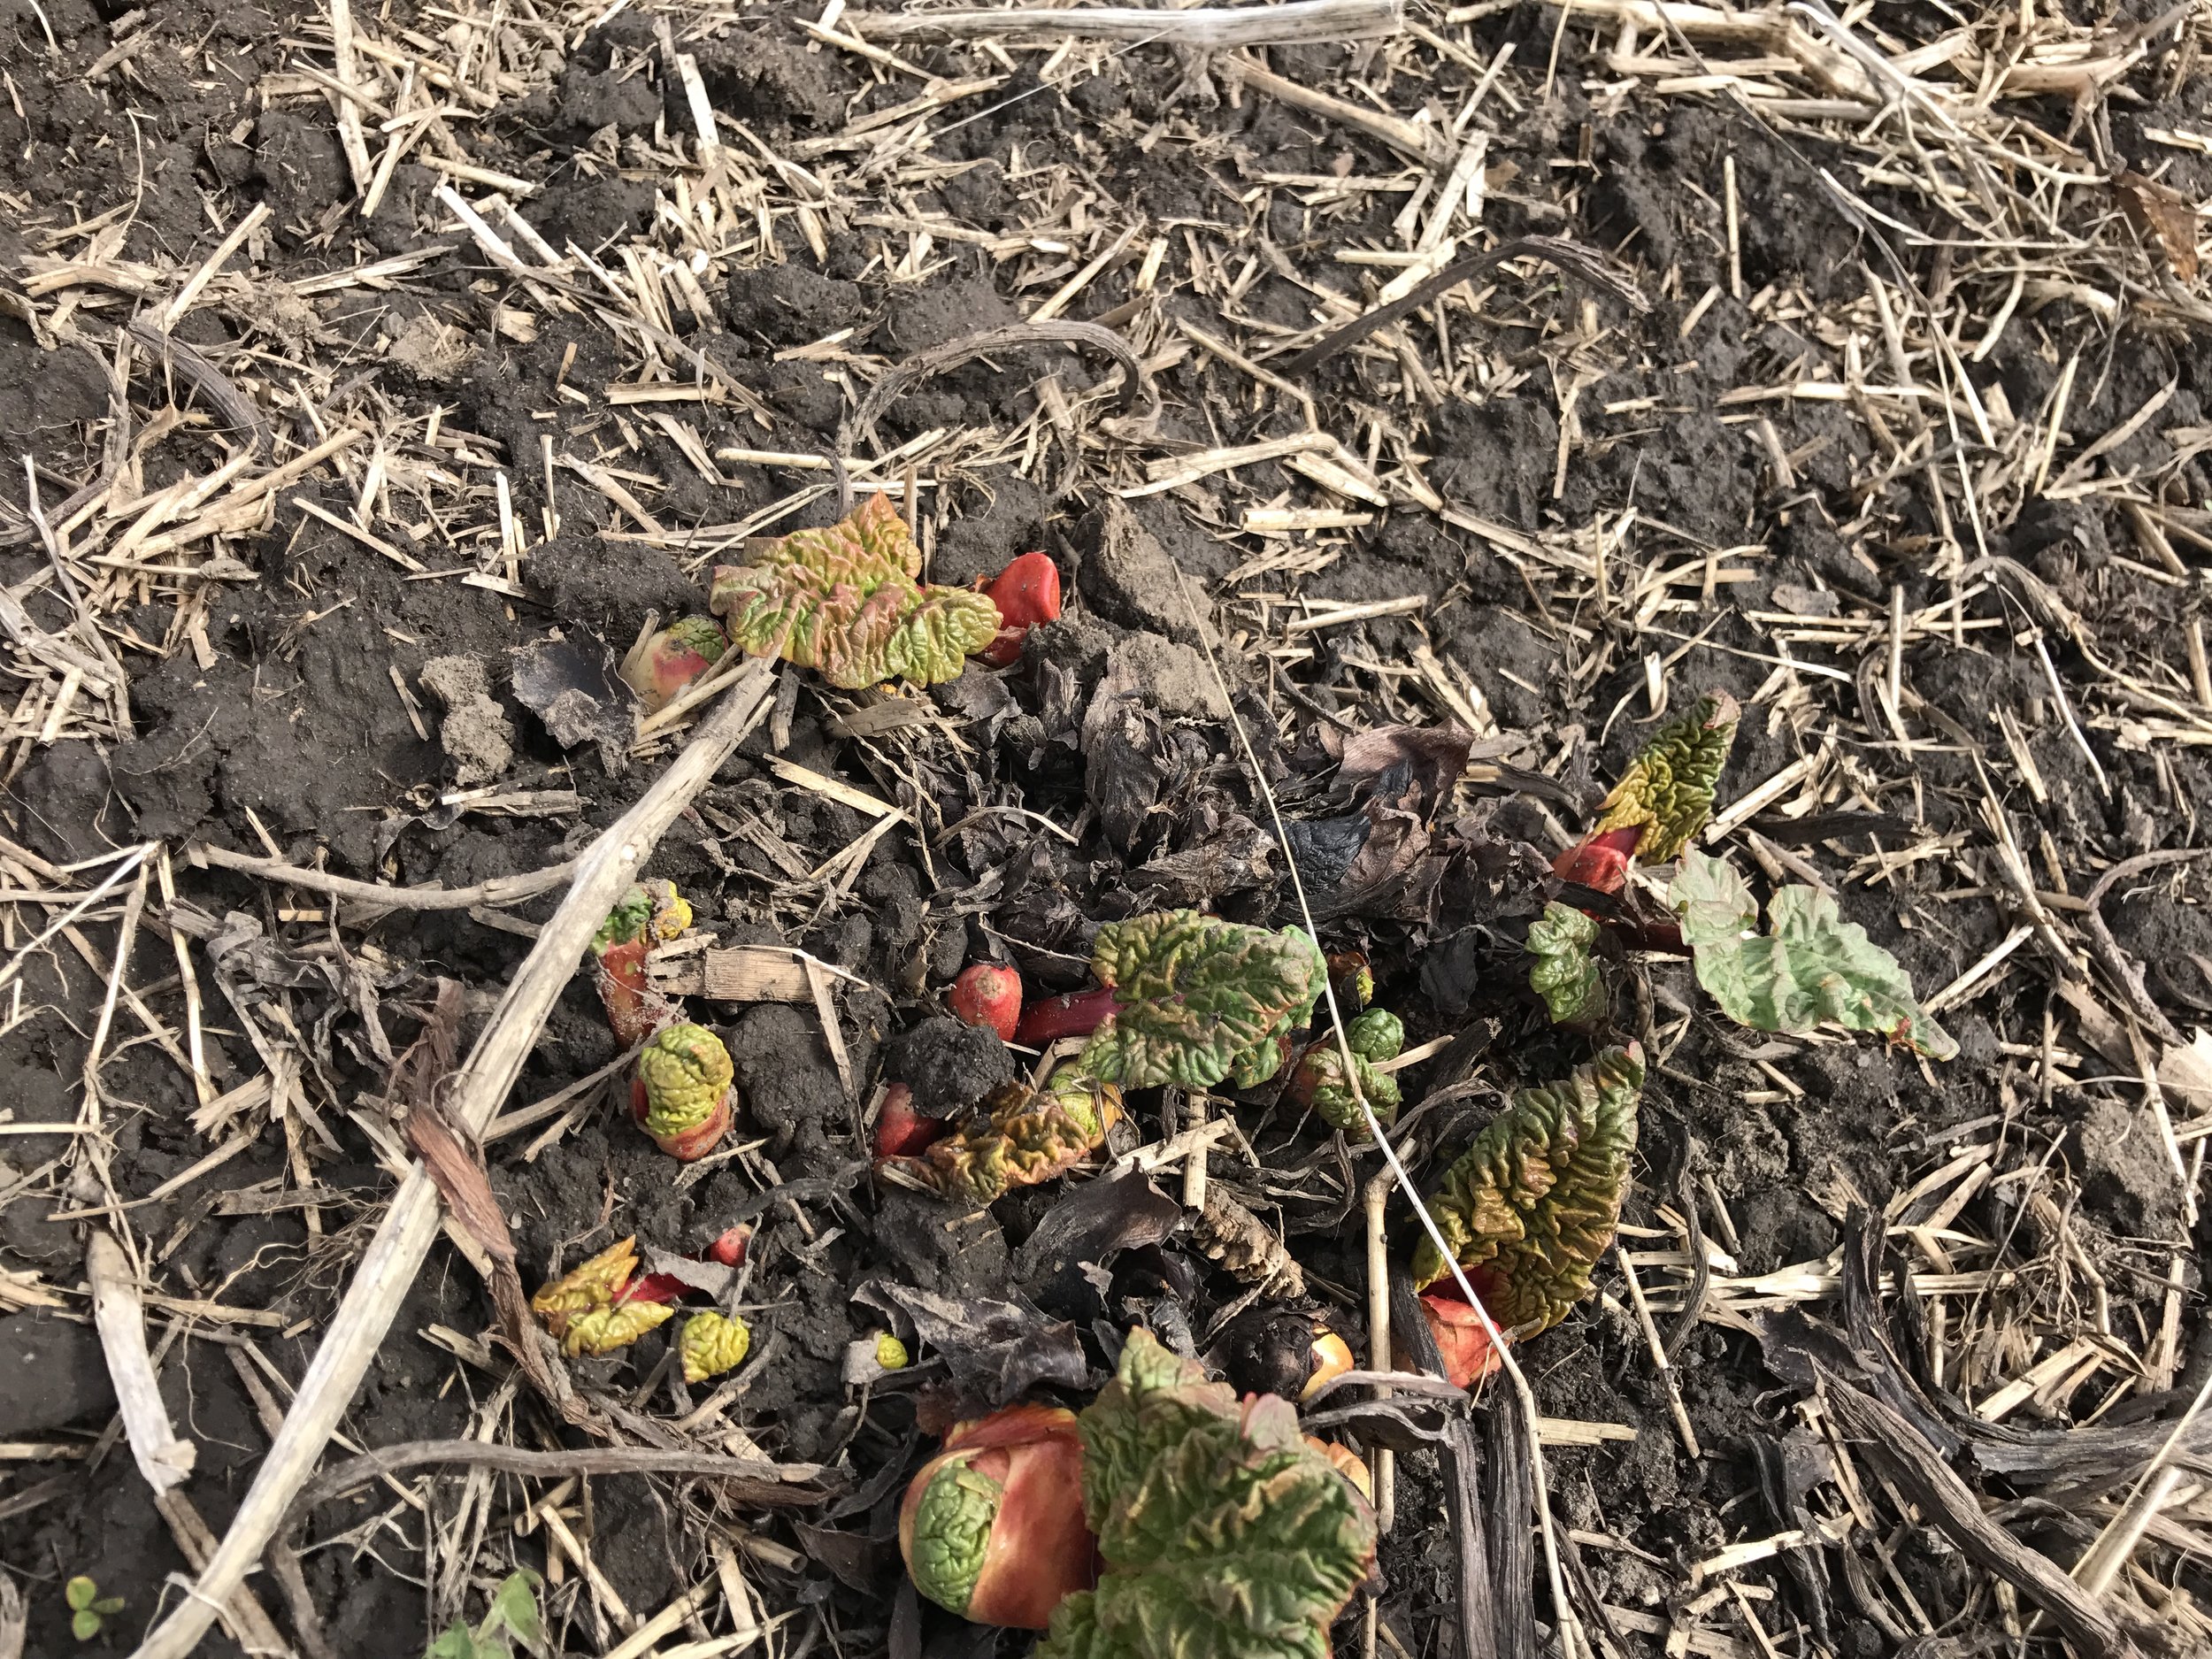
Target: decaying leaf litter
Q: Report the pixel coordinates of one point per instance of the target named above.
(367, 350)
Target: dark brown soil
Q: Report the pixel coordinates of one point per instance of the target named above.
(295, 730)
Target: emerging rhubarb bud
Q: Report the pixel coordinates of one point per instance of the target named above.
(1533, 1202)
(683, 1095)
(1331, 1358)
(1461, 1340)
(1351, 981)
(1320, 1083)
(711, 1344)
(901, 1131)
(596, 1308)
(1662, 801)
(1377, 1035)
(729, 1250)
(651, 913)
(1277, 1351)
(1027, 1137)
(1027, 593)
(672, 658)
(987, 995)
(992, 1528)
(890, 1352)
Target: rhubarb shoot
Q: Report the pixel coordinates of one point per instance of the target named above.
(1461, 1340)
(684, 1097)
(595, 1308)
(987, 995)
(1223, 1531)
(1814, 968)
(1662, 801)
(1563, 973)
(652, 912)
(901, 1131)
(672, 658)
(992, 1528)
(1203, 1000)
(711, 1344)
(1074, 1014)
(1532, 1205)
(847, 600)
(1026, 595)
(1023, 1137)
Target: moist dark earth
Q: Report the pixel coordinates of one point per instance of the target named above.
(294, 731)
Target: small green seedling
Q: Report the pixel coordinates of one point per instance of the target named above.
(88, 1609)
(513, 1612)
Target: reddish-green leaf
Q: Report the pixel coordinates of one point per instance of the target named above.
(847, 600)
(1530, 1207)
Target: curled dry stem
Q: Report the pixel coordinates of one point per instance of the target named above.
(1135, 384)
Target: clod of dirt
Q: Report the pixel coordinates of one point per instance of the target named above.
(964, 1256)
(2127, 1167)
(430, 349)
(476, 734)
(51, 1374)
(1127, 577)
(584, 586)
(788, 1080)
(950, 1066)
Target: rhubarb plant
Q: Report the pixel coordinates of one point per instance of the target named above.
(1222, 1530)
(1198, 1000)
(1563, 973)
(1532, 1205)
(652, 912)
(1024, 1136)
(599, 1305)
(992, 1528)
(1321, 1084)
(664, 665)
(1813, 968)
(683, 1097)
(1662, 801)
(711, 1344)
(848, 601)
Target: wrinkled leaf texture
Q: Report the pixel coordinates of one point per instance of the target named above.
(1201, 999)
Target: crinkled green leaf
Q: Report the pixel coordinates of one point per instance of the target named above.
(1200, 999)
(1024, 1136)
(1815, 968)
(1223, 1532)
(1530, 1207)
(1667, 792)
(1563, 974)
(1321, 1082)
(846, 600)
(1377, 1035)
(951, 1532)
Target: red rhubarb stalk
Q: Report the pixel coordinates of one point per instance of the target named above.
(1076, 1014)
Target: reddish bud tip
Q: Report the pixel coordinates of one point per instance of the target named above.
(1026, 592)
(987, 995)
(1600, 862)
(672, 658)
(901, 1131)
(1460, 1338)
(729, 1250)
(686, 1146)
